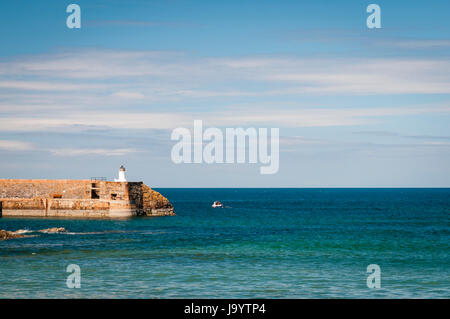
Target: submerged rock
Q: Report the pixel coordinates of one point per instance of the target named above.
(22, 231)
(4, 234)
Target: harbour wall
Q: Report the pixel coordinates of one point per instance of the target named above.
(80, 198)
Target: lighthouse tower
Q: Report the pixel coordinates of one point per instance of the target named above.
(121, 175)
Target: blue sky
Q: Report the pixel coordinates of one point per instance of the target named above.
(356, 107)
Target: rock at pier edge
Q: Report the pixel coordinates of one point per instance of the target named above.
(4, 234)
(80, 198)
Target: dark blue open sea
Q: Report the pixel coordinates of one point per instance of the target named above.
(267, 243)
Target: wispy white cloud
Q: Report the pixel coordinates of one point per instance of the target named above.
(301, 140)
(92, 64)
(376, 133)
(438, 143)
(302, 117)
(421, 43)
(373, 76)
(113, 119)
(136, 23)
(48, 86)
(92, 151)
(128, 95)
(395, 134)
(101, 89)
(11, 145)
(21, 146)
(170, 74)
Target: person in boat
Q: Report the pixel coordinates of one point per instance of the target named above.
(217, 204)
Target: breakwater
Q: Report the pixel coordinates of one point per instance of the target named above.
(80, 198)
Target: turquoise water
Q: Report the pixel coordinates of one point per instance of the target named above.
(268, 243)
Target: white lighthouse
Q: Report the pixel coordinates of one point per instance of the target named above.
(121, 175)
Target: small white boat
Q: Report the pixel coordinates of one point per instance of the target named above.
(217, 204)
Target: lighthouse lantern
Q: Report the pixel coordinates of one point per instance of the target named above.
(121, 175)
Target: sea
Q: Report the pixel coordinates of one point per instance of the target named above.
(264, 243)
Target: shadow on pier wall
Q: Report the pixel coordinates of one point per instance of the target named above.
(135, 197)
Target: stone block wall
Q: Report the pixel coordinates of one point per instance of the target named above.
(31, 188)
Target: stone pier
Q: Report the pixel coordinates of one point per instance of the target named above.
(80, 198)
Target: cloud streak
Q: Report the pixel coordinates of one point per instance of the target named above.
(171, 74)
(294, 118)
(11, 145)
(92, 151)
(20, 146)
(47, 86)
